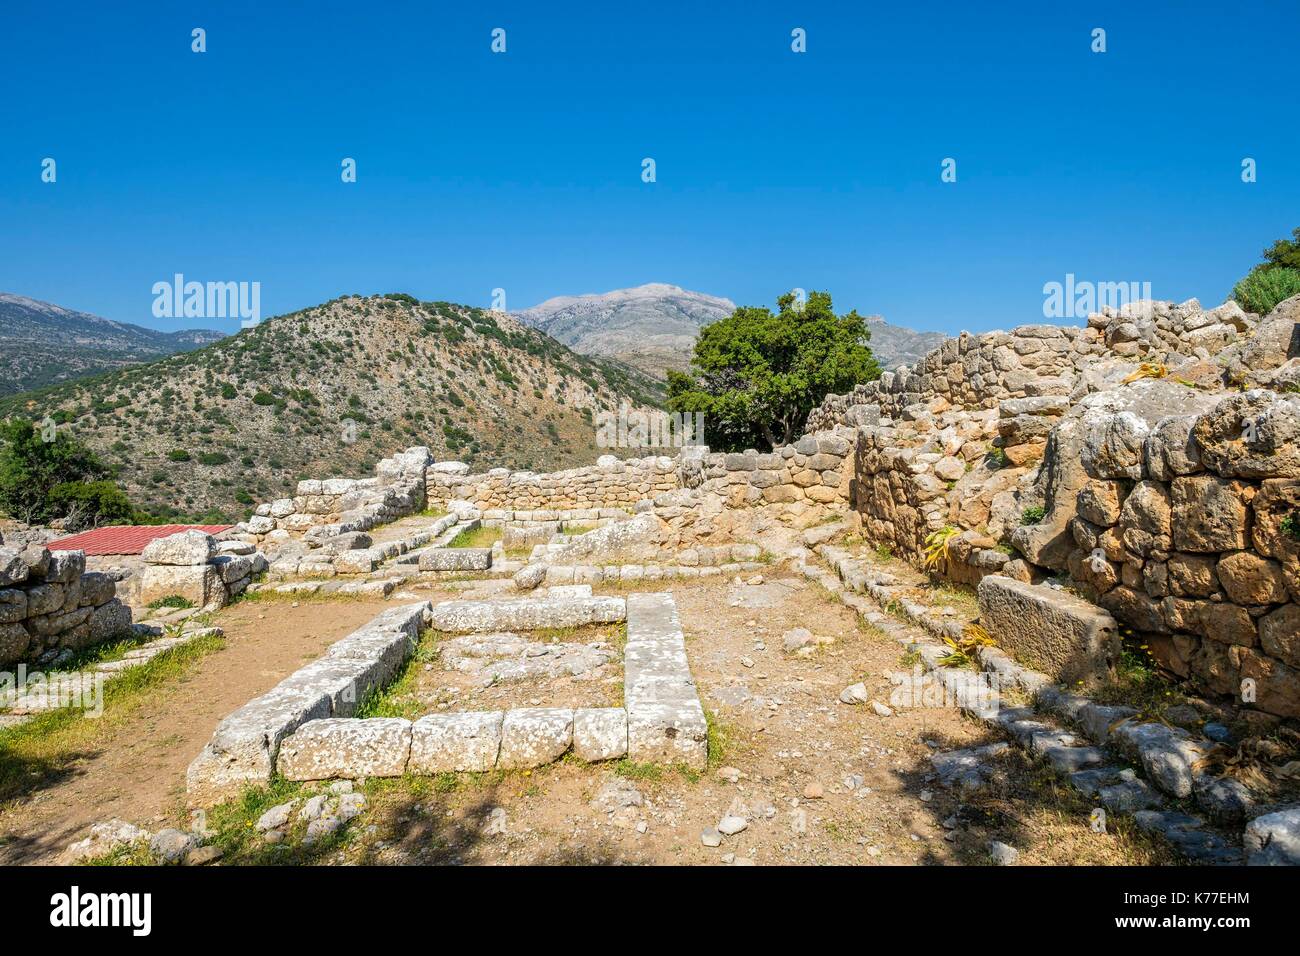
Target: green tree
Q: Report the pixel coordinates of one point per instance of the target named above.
(1274, 279)
(41, 480)
(756, 375)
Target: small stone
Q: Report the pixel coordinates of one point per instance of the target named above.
(796, 638)
(1002, 854)
(730, 825)
(854, 694)
(495, 825)
(927, 796)
(746, 661)
(170, 845)
(203, 855)
(881, 710)
(711, 837)
(730, 774)
(814, 791)
(276, 817)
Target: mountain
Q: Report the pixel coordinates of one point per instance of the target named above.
(41, 343)
(894, 345)
(653, 327)
(209, 432)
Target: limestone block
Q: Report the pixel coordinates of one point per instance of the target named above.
(1049, 629)
(449, 743)
(200, 584)
(348, 748)
(185, 548)
(533, 736)
(600, 733)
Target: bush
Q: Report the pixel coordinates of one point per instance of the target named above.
(41, 480)
(88, 504)
(178, 454)
(1265, 287)
(213, 458)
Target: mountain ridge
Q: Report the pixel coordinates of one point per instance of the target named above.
(43, 343)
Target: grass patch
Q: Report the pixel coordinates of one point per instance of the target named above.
(46, 747)
(480, 537)
(1138, 683)
(398, 698)
(172, 601)
(719, 739)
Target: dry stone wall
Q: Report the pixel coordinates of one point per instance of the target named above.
(1118, 459)
(324, 508)
(51, 607)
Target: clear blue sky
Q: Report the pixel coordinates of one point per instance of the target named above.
(522, 170)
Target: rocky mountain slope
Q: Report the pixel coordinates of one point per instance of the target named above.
(42, 344)
(329, 390)
(653, 327)
(894, 345)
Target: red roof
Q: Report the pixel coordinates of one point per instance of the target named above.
(126, 538)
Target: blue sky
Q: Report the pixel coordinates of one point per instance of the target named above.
(522, 171)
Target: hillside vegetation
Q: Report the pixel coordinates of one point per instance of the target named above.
(211, 432)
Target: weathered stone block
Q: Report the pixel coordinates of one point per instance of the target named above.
(200, 584)
(1209, 513)
(456, 559)
(1049, 629)
(600, 733)
(453, 743)
(185, 548)
(533, 736)
(347, 747)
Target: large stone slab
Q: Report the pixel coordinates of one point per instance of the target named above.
(1049, 629)
(533, 736)
(599, 733)
(200, 584)
(523, 614)
(454, 743)
(665, 720)
(244, 747)
(456, 559)
(184, 548)
(322, 749)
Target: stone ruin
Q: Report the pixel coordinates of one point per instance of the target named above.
(51, 606)
(1150, 462)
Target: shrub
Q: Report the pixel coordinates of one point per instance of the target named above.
(178, 454)
(88, 504)
(263, 398)
(213, 458)
(1032, 515)
(1264, 288)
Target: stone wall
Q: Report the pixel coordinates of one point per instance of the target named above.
(979, 371)
(813, 469)
(195, 566)
(1117, 459)
(51, 607)
(610, 483)
(1188, 531)
(327, 507)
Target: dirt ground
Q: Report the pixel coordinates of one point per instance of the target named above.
(138, 772)
(819, 781)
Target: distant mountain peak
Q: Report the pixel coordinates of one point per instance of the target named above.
(653, 326)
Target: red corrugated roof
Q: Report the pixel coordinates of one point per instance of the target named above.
(126, 538)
